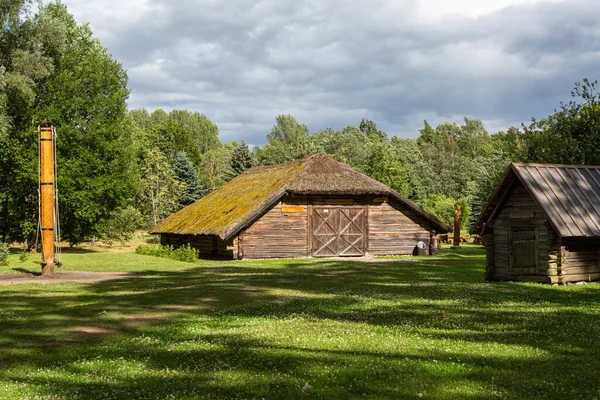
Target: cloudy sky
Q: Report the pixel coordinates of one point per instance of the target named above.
(331, 63)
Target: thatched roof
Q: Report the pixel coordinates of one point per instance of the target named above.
(569, 195)
(239, 202)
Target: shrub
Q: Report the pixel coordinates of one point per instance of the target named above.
(184, 253)
(4, 253)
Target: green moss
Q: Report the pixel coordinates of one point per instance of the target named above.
(232, 204)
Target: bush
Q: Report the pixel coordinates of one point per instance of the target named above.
(24, 255)
(184, 253)
(4, 253)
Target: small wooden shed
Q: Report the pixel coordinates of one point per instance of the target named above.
(543, 224)
(314, 206)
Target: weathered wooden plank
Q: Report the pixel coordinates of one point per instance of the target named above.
(278, 234)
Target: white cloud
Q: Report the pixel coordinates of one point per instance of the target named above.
(334, 62)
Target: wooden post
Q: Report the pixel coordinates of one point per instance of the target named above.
(47, 216)
(456, 242)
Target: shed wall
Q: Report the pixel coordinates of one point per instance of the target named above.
(580, 259)
(394, 229)
(281, 232)
(520, 214)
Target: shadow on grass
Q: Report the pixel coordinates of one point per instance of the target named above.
(351, 329)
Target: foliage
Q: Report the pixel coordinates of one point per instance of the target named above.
(350, 146)
(214, 168)
(24, 253)
(241, 158)
(184, 253)
(288, 140)
(121, 225)
(183, 141)
(186, 173)
(490, 175)
(203, 133)
(160, 190)
(572, 134)
(383, 166)
(4, 253)
(73, 83)
(422, 181)
(369, 128)
(444, 208)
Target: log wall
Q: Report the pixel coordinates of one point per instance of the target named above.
(580, 259)
(281, 232)
(519, 213)
(394, 229)
(490, 264)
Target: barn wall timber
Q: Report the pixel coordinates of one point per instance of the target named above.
(580, 259)
(490, 266)
(279, 233)
(395, 229)
(283, 230)
(520, 212)
(207, 246)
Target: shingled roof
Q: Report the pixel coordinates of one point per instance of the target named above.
(569, 195)
(239, 202)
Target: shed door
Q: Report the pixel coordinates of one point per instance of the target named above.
(338, 231)
(524, 252)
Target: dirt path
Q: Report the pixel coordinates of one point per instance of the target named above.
(59, 277)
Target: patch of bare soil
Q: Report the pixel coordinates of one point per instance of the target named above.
(371, 259)
(251, 288)
(145, 318)
(70, 276)
(92, 330)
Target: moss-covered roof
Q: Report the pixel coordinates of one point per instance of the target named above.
(236, 204)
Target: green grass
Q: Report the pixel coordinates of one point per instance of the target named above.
(405, 328)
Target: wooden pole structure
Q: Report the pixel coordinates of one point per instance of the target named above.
(456, 242)
(47, 210)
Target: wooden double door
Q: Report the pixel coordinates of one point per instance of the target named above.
(338, 231)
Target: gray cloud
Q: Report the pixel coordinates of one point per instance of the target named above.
(331, 63)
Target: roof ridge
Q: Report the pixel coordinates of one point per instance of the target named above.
(550, 165)
(261, 168)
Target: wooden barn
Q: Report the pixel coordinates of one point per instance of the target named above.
(543, 224)
(314, 206)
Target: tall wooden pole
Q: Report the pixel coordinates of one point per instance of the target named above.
(456, 242)
(47, 216)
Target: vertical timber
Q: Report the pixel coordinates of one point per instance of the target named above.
(456, 241)
(47, 217)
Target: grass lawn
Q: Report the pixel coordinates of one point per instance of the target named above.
(400, 328)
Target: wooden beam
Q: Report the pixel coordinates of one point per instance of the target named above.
(47, 218)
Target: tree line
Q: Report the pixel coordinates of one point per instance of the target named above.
(121, 170)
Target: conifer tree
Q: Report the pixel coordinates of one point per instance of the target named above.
(186, 173)
(241, 158)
